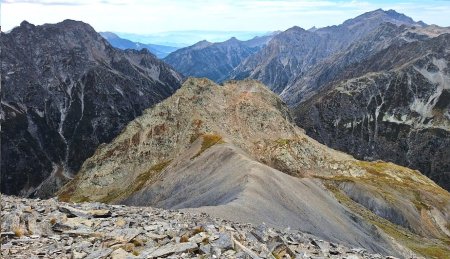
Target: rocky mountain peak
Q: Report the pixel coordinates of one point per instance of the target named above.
(201, 44)
(380, 16)
(71, 27)
(232, 40)
(26, 25)
(83, 93)
(232, 150)
(295, 29)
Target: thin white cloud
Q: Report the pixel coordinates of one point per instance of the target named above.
(45, 2)
(149, 16)
(65, 2)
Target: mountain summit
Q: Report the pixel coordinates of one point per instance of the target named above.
(65, 91)
(232, 151)
(293, 53)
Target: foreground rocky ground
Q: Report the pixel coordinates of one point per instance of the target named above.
(52, 229)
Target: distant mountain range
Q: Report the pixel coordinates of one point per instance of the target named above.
(292, 54)
(186, 38)
(214, 60)
(160, 51)
(309, 68)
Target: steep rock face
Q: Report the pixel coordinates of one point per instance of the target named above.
(214, 60)
(380, 50)
(65, 90)
(295, 51)
(233, 151)
(285, 57)
(400, 115)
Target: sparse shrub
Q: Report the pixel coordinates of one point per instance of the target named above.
(198, 229)
(137, 242)
(205, 241)
(184, 239)
(18, 231)
(209, 140)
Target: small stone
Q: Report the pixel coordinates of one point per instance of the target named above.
(228, 253)
(358, 250)
(74, 212)
(155, 236)
(261, 233)
(78, 255)
(151, 228)
(121, 254)
(125, 234)
(216, 252)
(81, 232)
(8, 234)
(101, 253)
(100, 213)
(61, 227)
(206, 249)
(334, 252)
(169, 249)
(198, 238)
(224, 242)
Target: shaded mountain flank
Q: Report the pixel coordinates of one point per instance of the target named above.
(233, 151)
(65, 91)
(214, 60)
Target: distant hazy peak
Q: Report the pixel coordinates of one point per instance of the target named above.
(380, 14)
(109, 35)
(232, 39)
(201, 44)
(296, 28)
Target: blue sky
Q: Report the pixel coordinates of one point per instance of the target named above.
(151, 16)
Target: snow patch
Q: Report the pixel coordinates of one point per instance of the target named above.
(403, 119)
(39, 113)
